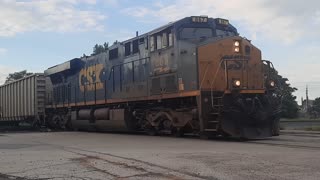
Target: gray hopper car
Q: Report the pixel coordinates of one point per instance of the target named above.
(23, 100)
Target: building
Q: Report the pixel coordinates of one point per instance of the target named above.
(306, 108)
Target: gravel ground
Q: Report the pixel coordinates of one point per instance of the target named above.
(81, 155)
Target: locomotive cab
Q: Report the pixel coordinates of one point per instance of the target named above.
(207, 58)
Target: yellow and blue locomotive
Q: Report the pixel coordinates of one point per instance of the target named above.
(195, 75)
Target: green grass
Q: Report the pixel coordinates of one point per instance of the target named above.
(313, 128)
(298, 119)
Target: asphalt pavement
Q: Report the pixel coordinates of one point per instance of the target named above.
(83, 155)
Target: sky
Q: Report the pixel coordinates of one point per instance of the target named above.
(37, 34)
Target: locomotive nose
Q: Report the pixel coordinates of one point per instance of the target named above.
(231, 64)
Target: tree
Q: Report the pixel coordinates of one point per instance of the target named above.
(316, 105)
(17, 75)
(289, 104)
(97, 49)
(283, 93)
(106, 46)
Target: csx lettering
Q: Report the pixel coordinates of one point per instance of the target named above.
(89, 78)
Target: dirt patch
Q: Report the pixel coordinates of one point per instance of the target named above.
(9, 177)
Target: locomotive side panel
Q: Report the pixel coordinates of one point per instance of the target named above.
(187, 66)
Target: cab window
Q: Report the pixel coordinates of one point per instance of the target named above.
(170, 39)
(113, 54)
(127, 48)
(195, 33)
(135, 46)
(159, 42)
(164, 40)
(152, 44)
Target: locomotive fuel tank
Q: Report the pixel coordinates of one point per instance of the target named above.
(102, 119)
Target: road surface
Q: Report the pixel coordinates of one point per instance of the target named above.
(82, 155)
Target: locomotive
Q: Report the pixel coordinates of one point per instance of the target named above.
(195, 75)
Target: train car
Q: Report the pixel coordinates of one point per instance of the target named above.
(23, 100)
(194, 75)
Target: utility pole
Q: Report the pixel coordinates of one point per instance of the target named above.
(307, 99)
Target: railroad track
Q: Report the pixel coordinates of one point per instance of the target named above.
(295, 146)
(291, 140)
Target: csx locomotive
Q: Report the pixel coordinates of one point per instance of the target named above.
(194, 75)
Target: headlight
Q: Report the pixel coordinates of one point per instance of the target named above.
(236, 43)
(236, 83)
(237, 49)
(272, 84)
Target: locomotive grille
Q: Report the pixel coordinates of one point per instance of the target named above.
(155, 87)
(171, 84)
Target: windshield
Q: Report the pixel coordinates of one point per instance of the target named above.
(223, 33)
(195, 33)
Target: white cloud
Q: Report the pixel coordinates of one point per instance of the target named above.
(120, 35)
(111, 2)
(302, 69)
(139, 12)
(3, 51)
(48, 15)
(317, 18)
(284, 21)
(4, 72)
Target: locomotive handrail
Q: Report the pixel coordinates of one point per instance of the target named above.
(270, 67)
(205, 73)
(224, 61)
(130, 62)
(112, 67)
(214, 78)
(271, 75)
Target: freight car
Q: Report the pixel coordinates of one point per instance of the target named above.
(23, 100)
(194, 75)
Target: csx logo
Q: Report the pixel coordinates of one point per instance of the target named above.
(89, 78)
(161, 64)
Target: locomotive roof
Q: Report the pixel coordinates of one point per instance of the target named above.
(174, 23)
(177, 23)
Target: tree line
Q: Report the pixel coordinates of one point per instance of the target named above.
(97, 49)
(314, 109)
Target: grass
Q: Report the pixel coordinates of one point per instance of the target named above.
(313, 128)
(298, 119)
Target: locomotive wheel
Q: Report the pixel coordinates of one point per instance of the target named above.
(68, 125)
(17, 124)
(203, 135)
(152, 131)
(36, 124)
(56, 122)
(276, 128)
(177, 132)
